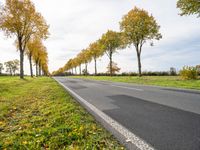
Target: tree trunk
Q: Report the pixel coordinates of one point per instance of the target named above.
(72, 71)
(95, 65)
(86, 72)
(31, 67)
(139, 64)
(21, 64)
(111, 72)
(39, 69)
(36, 72)
(21, 57)
(80, 69)
(75, 71)
(10, 71)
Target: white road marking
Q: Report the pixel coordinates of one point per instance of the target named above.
(130, 137)
(130, 88)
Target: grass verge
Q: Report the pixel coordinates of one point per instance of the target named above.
(167, 81)
(40, 114)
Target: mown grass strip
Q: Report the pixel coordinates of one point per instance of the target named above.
(40, 114)
(167, 81)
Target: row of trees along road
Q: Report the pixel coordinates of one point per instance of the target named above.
(12, 67)
(19, 19)
(137, 27)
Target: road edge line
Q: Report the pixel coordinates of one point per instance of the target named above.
(126, 137)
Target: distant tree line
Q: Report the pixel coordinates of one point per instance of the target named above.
(11, 67)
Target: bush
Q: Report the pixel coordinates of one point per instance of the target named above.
(129, 74)
(3, 74)
(189, 73)
(198, 69)
(155, 73)
(85, 72)
(145, 73)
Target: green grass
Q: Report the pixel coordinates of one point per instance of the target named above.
(39, 114)
(167, 81)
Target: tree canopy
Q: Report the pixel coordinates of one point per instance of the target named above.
(12, 66)
(110, 42)
(137, 27)
(189, 7)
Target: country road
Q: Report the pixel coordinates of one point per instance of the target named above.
(162, 118)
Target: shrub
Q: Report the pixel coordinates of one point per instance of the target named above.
(129, 74)
(189, 73)
(145, 73)
(85, 72)
(155, 73)
(198, 69)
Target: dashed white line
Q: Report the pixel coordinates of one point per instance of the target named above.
(130, 88)
(130, 137)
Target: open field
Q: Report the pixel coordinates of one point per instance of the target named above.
(39, 114)
(168, 81)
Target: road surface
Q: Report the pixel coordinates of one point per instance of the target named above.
(162, 118)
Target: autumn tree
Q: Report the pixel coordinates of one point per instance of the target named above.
(58, 72)
(1, 68)
(114, 68)
(70, 66)
(137, 28)
(189, 7)
(110, 42)
(19, 18)
(39, 54)
(36, 55)
(15, 66)
(79, 61)
(9, 65)
(43, 59)
(96, 50)
(32, 46)
(62, 69)
(45, 69)
(86, 58)
(12, 66)
(75, 64)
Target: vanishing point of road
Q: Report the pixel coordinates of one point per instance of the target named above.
(142, 117)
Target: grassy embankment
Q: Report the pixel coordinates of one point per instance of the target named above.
(168, 81)
(39, 114)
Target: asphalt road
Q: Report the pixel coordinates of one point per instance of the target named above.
(165, 118)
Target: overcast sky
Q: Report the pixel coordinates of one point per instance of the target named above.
(76, 23)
